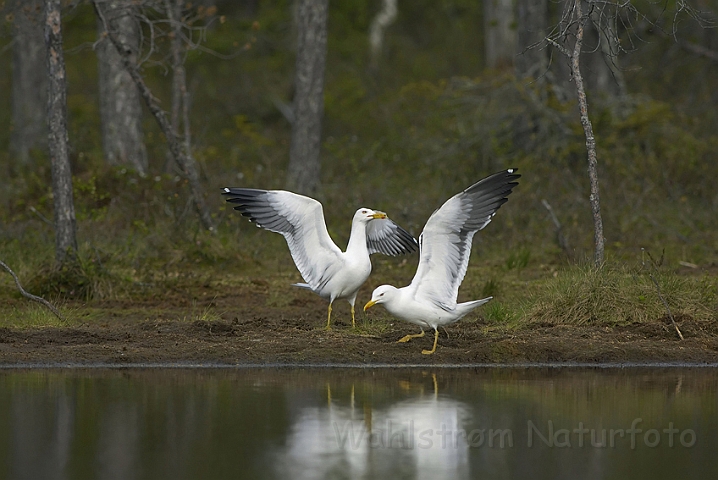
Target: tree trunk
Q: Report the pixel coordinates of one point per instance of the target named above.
(180, 95)
(304, 164)
(588, 132)
(532, 22)
(65, 229)
(120, 108)
(178, 76)
(29, 81)
(383, 19)
(499, 33)
(186, 164)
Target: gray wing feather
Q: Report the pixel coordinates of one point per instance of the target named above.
(300, 220)
(385, 236)
(445, 243)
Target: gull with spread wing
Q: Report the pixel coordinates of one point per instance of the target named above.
(444, 250)
(327, 271)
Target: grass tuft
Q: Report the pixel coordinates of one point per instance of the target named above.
(372, 325)
(84, 279)
(617, 295)
(203, 314)
(518, 259)
(491, 288)
(36, 316)
(498, 313)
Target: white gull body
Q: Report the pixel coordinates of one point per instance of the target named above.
(445, 247)
(327, 271)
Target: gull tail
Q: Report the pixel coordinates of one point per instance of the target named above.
(466, 307)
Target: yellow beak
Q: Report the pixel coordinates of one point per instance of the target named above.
(380, 215)
(369, 304)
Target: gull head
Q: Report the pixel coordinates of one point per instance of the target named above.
(382, 294)
(367, 214)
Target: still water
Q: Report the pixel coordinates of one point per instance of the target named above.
(433, 423)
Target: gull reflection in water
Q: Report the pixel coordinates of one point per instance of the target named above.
(420, 437)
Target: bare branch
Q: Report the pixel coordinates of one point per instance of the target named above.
(559, 47)
(562, 242)
(41, 216)
(32, 297)
(699, 50)
(658, 289)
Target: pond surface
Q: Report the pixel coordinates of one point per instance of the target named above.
(425, 423)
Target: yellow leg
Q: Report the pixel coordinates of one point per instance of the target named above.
(409, 337)
(354, 325)
(329, 317)
(436, 338)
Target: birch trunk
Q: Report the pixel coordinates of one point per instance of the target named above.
(499, 33)
(120, 108)
(29, 81)
(590, 139)
(65, 228)
(383, 19)
(532, 23)
(180, 95)
(304, 164)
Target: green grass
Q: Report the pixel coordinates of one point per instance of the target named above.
(614, 295)
(122, 264)
(33, 315)
(372, 324)
(199, 313)
(501, 314)
(518, 260)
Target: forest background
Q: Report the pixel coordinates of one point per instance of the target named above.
(443, 101)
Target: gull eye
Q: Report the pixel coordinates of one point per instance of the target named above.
(381, 294)
(364, 211)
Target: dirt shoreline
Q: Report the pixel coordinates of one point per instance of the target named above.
(262, 340)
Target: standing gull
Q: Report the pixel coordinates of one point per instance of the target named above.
(444, 250)
(327, 271)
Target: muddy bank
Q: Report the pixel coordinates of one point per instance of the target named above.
(280, 339)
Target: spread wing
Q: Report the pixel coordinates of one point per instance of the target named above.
(385, 236)
(445, 243)
(300, 220)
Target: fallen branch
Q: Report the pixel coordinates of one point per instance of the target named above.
(32, 297)
(42, 217)
(658, 289)
(562, 242)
